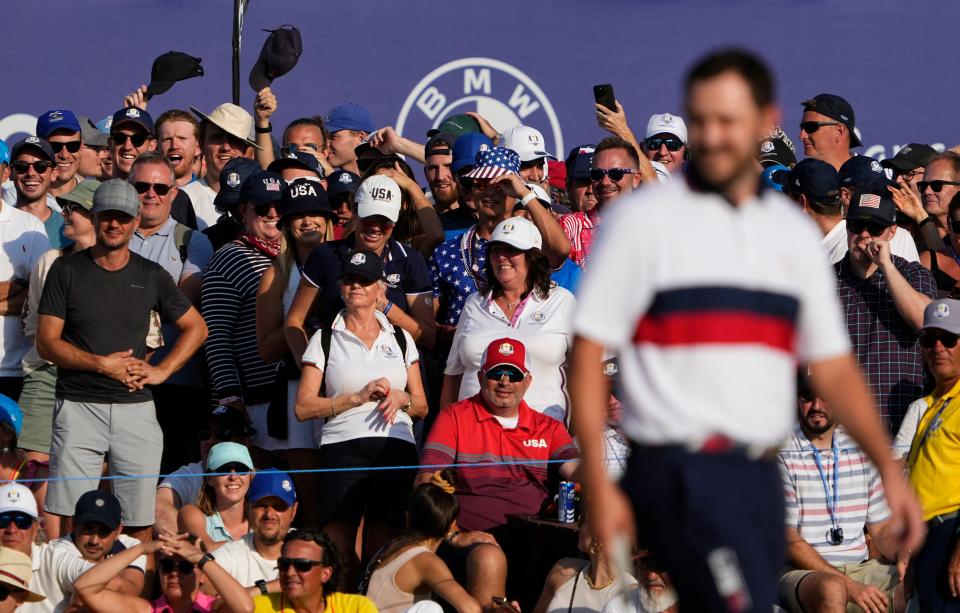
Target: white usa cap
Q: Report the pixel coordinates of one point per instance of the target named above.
(17, 498)
(665, 123)
(378, 195)
(527, 142)
(518, 232)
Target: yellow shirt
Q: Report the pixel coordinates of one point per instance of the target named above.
(935, 464)
(337, 602)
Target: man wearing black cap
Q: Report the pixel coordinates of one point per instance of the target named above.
(827, 129)
(883, 296)
(861, 173)
(908, 163)
(131, 133)
(32, 161)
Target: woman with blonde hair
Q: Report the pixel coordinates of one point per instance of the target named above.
(220, 513)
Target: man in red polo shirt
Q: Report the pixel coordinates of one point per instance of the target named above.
(497, 429)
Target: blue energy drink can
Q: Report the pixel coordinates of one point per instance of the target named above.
(565, 502)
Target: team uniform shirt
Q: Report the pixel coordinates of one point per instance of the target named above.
(544, 326)
(934, 459)
(580, 229)
(860, 498)
(886, 346)
(405, 269)
(467, 433)
(350, 367)
(58, 564)
(24, 242)
(242, 562)
(834, 244)
(336, 602)
(695, 328)
(202, 196)
(186, 482)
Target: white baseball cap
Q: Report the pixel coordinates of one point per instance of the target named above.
(378, 195)
(518, 232)
(15, 497)
(665, 123)
(527, 142)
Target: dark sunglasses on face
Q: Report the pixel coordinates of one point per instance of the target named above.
(615, 174)
(72, 146)
(955, 226)
(161, 189)
(807, 397)
(168, 564)
(40, 166)
(262, 210)
(857, 226)
(20, 520)
(654, 144)
(929, 339)
(936, 186)
(301, 565)
(649, 563)
(812, 126)
(225, 434)
(233, 467)
(120, 138)
(512, 374)
(6, 591)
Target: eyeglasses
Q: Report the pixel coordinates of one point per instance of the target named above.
(161, 189)
(936, 186)
(167, 565)
(21, 520)
(929, 339)
(233, 467)
(121, 138)
(649, 563)
(6, 591)
(856, 226)
(812, 126)
(226, 434)
(513, 375)
(301, 565)
(654, 143)
(910, 175)
(615, 174)
(40, 166)
(72, 146)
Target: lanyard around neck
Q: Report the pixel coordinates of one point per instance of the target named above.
(832, 497)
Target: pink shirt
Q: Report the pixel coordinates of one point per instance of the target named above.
(202, 604)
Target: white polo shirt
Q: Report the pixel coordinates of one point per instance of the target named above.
(24, 240)
(835, 244)
(710, 307)
(350, 367)
(202, 195)
(57, 565)
(241, 560)
(545, 327)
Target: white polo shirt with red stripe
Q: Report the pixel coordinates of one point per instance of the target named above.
(709, 306)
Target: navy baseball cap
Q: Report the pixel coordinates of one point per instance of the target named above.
(861, 171)
(297, 159)
(132, 114)
(341, 182)
(272, 482)
(466, 148)
(38, 145)
(817, 179)
(305, 196)
(874, 205)
(348, 116)
(579, 161)
(234, 173)
(837, 108)
(97, 506)
(52, 121)
(262, 188)
(910, 157)
(364, 264)
(440, 143)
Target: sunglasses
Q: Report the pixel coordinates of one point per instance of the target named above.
(262, 210)
(225, 434)
(649, 563)
(929, 339)
(121, 138)
(301, 565)
(167, 565)
(21, 520)
(72, 146)
(807, 397)
(161, 189)
(6, 591)
(812, 126)
(654, 144)
(513, 375)
(955, 226)
(40, 166)
(936, 186)
(856, 226)
(615, 174)
(233, 467)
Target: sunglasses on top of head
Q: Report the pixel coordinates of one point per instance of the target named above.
(121, 138)
(812, 126)
(653, 143)
(929, 338)
(615, 174)
(936, 186)
(72, 146)
(40, 166)
(856, 226)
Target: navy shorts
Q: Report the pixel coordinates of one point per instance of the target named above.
(715, 522)
(930, 567)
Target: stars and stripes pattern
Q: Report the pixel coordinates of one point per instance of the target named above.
(452, 281)
(494, 163)
(870, 201)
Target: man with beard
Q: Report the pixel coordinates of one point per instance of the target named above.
(455, 216)
(252, 560)
(654, 592)
(833, 497)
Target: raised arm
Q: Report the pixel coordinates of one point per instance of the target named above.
(556, 246)
(91, 587)
(910, 303)
(264, 105)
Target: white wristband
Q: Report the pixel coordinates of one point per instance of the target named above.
(526, 199)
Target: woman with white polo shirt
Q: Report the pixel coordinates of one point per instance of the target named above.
(362, 376)
(519, 299)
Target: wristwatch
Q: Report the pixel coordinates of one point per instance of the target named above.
(260, 583)
(206, 557)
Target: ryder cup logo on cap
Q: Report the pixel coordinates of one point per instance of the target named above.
(498, 91)
(55, 116)
(526, 141)
(286, 485)
(358, 259)
(133, 113)
(32, 140)
(666, 124)
(766, 146)
(505, 349)
(345, 179)
(942, 311)
(875, 166)
(233, 179)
